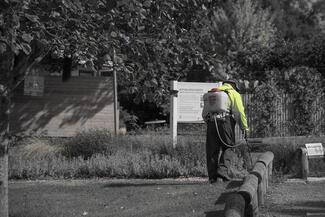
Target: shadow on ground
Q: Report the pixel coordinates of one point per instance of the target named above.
(121, 184)
(214, 213)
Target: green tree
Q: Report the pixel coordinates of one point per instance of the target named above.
(29, 30)
(236, 31)
(296, 18)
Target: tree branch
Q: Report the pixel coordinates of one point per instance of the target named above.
(28, 68)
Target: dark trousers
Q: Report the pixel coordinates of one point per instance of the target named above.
(214, 144)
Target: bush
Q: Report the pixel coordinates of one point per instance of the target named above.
(147, 155)
(88, 143)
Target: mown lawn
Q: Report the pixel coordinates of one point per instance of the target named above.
(118, 198)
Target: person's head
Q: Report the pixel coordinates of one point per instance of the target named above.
(233, 83)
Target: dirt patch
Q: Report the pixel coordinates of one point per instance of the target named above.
(119, 198)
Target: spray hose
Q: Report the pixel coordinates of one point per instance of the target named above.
(229, 146)
(233, 146)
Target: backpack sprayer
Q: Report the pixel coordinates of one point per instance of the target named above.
(217, 103)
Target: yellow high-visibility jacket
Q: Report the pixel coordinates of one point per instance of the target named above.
(236, 105)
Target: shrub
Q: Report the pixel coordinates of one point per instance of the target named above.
(87, 143)
(305, 86)
(264, 107)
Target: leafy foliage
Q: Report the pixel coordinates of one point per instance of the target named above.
(264, 107)
(305, 86)
(88, 143)
(296, 18)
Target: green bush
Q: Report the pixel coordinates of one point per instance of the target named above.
(88, 143)
(147, 155)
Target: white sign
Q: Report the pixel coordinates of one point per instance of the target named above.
(34, 86)
(190, 100)
(315, 149)
(187, 103)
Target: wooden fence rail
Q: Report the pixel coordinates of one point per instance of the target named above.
(283, 115)
(246, 201)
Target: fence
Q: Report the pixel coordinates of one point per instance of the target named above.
(251, 194)
(283, 116)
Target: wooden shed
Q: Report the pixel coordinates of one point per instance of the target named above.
(60, 109)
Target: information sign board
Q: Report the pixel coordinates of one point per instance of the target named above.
(190, 100)
(314, 149)
(34, 85)
(187, 103)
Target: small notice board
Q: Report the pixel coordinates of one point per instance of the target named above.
(314, 149)
(34, 85)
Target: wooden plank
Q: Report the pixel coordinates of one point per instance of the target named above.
(315, 214)
(286, 140)
(66, 107)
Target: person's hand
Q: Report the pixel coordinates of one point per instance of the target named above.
(245, 134)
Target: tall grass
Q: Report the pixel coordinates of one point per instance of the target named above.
(97, 154)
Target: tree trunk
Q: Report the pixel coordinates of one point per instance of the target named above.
(4, 143)
(6, 65)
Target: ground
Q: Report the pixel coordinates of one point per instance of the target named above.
(118, 198)
(295, 199)
(160, 198)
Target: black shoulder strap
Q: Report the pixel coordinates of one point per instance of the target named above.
(227, 92)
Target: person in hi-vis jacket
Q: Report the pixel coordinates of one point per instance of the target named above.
(219, 142)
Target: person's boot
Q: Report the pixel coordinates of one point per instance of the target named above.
(223, 173)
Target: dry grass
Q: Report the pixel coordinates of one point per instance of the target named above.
(147, 155)
(138, 156)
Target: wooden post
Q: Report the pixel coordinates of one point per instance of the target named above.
(249, 188)
(269, 175)
(266, 177)
(260, 170)
(255, 204)
(173, 113)
(254, 188)
(116, 118)
(260, 193)
(266, 158)
(304, 163)
(235, 206)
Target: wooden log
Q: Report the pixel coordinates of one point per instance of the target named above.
(260, 193)
(270, 168)
(266, 178)
(304, 163)
(235, 205)
(255, 205)
(266, 158)
(251, 210)
(249, 188)
(262, 187)
(259, 170)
